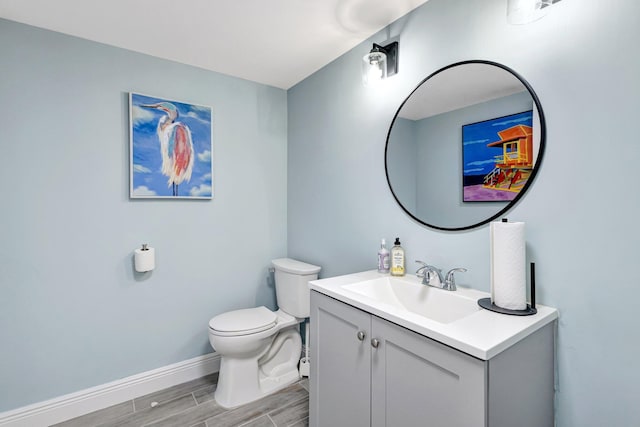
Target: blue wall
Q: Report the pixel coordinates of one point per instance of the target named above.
(73, 313)
(581, 212)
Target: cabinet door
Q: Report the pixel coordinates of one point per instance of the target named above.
(340, 380)
(419, 382)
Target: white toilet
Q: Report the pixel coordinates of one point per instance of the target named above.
(260, 349)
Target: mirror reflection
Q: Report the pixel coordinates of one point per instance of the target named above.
(465, 145)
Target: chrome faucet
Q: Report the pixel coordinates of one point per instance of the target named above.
(432, 276)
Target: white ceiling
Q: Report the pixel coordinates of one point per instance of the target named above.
(274, 42)
(459, 87)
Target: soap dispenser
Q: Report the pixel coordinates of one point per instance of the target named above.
(397, 259)
(383, 258)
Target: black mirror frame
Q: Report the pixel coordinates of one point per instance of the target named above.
(534, 172)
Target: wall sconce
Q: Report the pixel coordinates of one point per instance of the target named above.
(526, 11)
(381, 62)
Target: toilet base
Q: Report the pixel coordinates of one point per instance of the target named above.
(244, 380)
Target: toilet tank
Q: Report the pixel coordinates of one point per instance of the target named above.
(292, 288)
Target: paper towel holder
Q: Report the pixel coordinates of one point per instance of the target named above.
(487, 304)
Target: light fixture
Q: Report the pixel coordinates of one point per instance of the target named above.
(526, 11)
(381, 62)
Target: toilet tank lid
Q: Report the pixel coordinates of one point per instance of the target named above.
(296, 267)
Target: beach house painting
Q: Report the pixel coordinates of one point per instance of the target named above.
(497, 157)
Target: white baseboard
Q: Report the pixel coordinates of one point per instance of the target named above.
(85, 401)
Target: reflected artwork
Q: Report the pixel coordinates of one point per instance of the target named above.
(497, 157)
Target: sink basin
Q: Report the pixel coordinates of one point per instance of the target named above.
(453, 318)
(435, 304)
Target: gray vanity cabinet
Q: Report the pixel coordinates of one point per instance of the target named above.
(416, 381)
(340, 378)
(366, 371)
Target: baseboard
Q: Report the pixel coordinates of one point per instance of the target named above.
(85, 401)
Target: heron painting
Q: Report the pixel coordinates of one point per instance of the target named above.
(171, 149)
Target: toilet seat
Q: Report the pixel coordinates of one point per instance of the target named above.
(243, 322)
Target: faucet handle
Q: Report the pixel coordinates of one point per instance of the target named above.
(421, 271)
(450, 281)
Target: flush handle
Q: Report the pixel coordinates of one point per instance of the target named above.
(360, 335)
(375, 343)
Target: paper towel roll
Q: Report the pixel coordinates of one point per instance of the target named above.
(145, 259)
(508, 269)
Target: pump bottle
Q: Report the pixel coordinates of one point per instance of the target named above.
(383, 257)
(397, 259)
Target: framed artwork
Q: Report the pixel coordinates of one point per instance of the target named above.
(497, 157)
(170, 149)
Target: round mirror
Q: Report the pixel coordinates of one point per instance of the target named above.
(465, 145)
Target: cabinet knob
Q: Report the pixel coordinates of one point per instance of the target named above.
(375, 343)
(360, 336)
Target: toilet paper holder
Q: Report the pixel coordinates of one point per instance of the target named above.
(144, 259)
(487, 304)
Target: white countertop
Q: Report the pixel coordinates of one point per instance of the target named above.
(482, 334)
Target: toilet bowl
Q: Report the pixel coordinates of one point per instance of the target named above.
(259, 348)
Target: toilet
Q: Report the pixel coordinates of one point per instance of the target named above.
(259, 348)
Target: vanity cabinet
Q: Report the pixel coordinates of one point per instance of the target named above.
(367, 371)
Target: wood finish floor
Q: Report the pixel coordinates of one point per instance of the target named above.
(191, 405)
